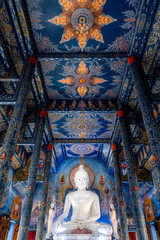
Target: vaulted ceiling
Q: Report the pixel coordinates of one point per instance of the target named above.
(82, 74)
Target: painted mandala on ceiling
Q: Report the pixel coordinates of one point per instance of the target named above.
(82, 20)
(82, 124)
(82, 150)
(78, 78)
(82, 80)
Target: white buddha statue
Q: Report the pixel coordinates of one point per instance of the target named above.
(86, 209)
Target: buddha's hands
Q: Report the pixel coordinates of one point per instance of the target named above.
(81, 224)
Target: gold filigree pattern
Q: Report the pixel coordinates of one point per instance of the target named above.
(148, 210)
(82, 20)
(82, 80)
(82, 91)
(16, 207)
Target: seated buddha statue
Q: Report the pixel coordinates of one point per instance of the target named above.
(85, 209)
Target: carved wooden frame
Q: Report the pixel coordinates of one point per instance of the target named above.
(16, 212)
(148, 206)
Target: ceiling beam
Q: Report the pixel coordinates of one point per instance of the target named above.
(31, 141)
(9, 101)
(8, 79)
(4, 115)
(83, 140)
(25, 143)
(46, 56)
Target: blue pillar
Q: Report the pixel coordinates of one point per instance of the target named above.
(151, 126)
(42, 212)
(132, 179)
(156, 178)
(119, 191)
(11, 230)
(153, 231)
(31, 185)
(14, 125)
(8, 190)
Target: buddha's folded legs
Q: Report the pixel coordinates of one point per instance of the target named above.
(94, 227)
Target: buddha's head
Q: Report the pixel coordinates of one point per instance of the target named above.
(81, 178)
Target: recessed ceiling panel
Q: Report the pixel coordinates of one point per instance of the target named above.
(79, 78)
(88, 150)
(76, 25)
(82, 124)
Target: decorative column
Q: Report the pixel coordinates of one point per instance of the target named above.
(42, 212)
(153, 231)
(119, 191)
(31, 185)
(156, 176)
(8, 190)
(151, 126)
(11, 230)
(132, 179)
(15, 123)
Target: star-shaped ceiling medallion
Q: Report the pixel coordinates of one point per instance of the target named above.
(82, 80)
(82, 19)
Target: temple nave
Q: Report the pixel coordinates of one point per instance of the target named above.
(79, 86)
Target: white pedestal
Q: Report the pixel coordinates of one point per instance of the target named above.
(81, 237)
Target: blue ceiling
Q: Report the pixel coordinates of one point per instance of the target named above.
(82, 124)
(83, 78)
(117, 35)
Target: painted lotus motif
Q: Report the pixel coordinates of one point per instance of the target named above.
(82, 79)
(82, 20)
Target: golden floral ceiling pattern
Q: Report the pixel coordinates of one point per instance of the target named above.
(82, 20)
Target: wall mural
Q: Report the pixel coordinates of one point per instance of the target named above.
(22, 174)
(105, 152)
(82, 124)
(36, 206)
(58, 154)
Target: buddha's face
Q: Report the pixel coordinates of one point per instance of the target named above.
(81, 180)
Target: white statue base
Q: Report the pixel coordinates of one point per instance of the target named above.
(81, 237)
